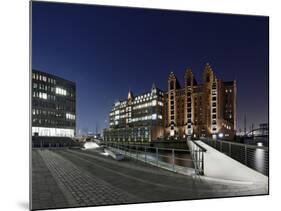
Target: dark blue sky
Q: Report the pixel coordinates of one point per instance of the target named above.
(109, 50)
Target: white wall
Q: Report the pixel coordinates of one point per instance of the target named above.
(14, 54)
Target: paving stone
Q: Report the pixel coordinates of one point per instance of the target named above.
(87, 178)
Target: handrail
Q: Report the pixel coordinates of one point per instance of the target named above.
(202, 148)
(148, 147)
(142, 153)
(243, 153)
(238, 144)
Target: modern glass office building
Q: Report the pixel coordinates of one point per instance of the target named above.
(53, 106)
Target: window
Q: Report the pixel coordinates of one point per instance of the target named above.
(172, 85)
(208, 78)
(60, 91)
(70, 116)
(43, 95)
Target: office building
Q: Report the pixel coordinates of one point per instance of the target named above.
(53, 106)
(137, 118)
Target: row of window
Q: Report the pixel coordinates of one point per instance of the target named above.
(53, 114)
(43, 95)
(51, 122)
(39, 77)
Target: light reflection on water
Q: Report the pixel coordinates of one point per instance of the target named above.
(180, 159)
(259, 158)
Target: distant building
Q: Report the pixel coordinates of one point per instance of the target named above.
(200, 110)
(194, 110)
(138, 118)
(53, 106)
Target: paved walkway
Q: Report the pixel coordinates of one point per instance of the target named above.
(45, 191)
(89, 178)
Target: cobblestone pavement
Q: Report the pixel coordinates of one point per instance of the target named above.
(45, 190)
(83, 178)
(85, 189)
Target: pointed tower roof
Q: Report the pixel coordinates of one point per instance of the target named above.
(153, 86)
(130, 95)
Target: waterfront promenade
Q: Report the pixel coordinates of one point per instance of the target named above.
(70, 178)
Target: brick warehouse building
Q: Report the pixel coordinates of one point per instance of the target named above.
(195, 110)
(53, 109)
(200, 110)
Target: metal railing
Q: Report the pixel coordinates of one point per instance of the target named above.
(176, 160)
(255, 157)
(197, 153)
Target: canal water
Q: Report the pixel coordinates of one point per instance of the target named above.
(180, 157)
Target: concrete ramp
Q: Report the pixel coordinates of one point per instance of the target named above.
(218, 166)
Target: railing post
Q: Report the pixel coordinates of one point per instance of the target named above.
(220, 146)
(137, 152)
(145, 154)
(157, 156)
(197, 160)
(245, 155)
(229, 149)
(173, 159)
(202, 162)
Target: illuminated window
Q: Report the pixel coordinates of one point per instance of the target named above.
(160, 103)
(43, 131)
(43, 95)
(70, 116)
(60, 91)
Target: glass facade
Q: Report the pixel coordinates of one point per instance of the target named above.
(53, 105)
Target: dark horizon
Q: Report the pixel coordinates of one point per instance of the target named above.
(108, 51)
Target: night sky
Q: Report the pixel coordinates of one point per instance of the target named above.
(109, 50)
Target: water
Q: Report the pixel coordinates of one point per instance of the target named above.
(181, 157)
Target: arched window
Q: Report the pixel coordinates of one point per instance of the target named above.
(188, 81)
(208, 78)
(172, 85)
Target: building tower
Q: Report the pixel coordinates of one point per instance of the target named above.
(189, 117)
